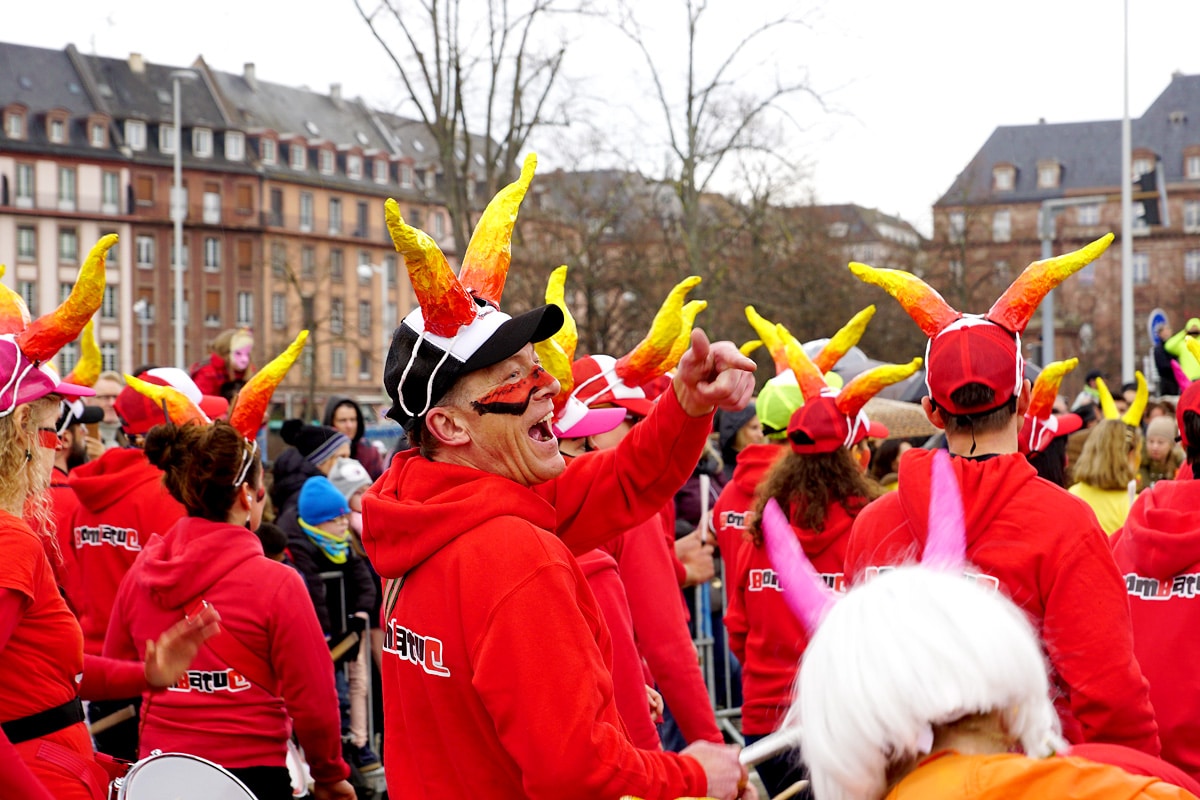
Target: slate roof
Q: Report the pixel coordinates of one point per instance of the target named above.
(1089, 152)
(149, 95)
(41, 79)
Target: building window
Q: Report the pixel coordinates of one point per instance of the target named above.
(166, 139)
(1141, 166)
(243, 253)
(143, 189)
(202, 142)
(365, 270)
(1191, 216)
(361, 224)
(337, 316)
(24, 195)
(145, 252)
(308, 262)
(212, 254)
(299, 155)
(1191, 266)
(26, 243)
(337, 263)
(380, 167)
(364, 365)
(108, 357)
(276, 216)
(97, 134)
(235, 146)
(958, 226)
(68, 246)
(108, 305)
(1088, 214)
(28, 292)
(1048, 174)
(66, 189)
(212, 208)
(1141, 268)
(389, 269)
(58, 131)
(439, 225)
(406, 176)
(337, 362)
(306, 212)
(278, 311)
(354, 166)
(267, 151)
(212, 308)
(245, 308)
(68, 357)
(135, 134)
(110, 193)
(326, 163)
(956, 270)
(278, 259)
(14, 126)
(1003, 179)
(1002, 226)
(364, 317)
(335, 216)
(243, 197)
(1191, 167)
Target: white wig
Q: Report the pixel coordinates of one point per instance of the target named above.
(912, 649)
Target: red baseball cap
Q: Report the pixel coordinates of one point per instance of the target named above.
(139, 413)
(1188, 401)
(973, 350)
(597, 384)
(1036, 434)
(819, 426)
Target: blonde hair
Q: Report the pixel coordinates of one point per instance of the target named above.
(25, 486)
(1104, 462)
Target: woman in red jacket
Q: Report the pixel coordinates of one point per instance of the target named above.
(269, 670)
(821, 485)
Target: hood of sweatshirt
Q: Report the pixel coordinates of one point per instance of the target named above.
(752, 464)
(986, 488)
(419, 506)
(112, 478)
(1161, 537)
(332, 406)
(182, 566)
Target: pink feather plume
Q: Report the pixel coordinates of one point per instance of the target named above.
(946, 544)
(805, 592)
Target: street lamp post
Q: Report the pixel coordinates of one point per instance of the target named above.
(178, 212)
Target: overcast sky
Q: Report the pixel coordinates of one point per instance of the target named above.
(911, 90)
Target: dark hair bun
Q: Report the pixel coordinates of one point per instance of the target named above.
(166, 445)
(290, 430)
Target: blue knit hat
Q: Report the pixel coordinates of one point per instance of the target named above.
(320, 501)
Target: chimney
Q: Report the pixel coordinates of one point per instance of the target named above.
(335, 94)
(249, 77)
(137, 64)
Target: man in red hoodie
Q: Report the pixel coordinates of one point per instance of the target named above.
(122, 502)
(1158, 551)
(1038, 544)
(496, 655)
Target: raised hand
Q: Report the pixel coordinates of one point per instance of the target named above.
(712, 376)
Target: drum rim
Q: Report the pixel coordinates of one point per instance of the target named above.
(137, 765)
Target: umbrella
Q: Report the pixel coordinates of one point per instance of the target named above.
(903, 420)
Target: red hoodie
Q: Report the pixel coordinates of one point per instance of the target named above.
(763, 633)
(215, 712)
(1158, 550)
(735, 507)
(122, 502)
(497, 660)
(63, 503)
(1045, 548)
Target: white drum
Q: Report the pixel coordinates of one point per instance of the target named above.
(178, 776)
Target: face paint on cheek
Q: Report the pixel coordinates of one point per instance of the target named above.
(513, 398)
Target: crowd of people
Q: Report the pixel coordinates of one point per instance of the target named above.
(1000, 610)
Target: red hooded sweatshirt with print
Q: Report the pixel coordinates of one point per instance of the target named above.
(497, 661)
(1158, 551)
(735, 507)
(122, 502)
(1046, 551)
(763, 632)
(215, 712)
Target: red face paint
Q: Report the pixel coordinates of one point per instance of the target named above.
(514, 398)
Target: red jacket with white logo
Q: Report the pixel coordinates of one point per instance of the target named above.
(497, 659)
(733, 510)
(763, 633)
(122, 502)
(1158, 551)
(1046, 551)
(215, 712)
(63, 503)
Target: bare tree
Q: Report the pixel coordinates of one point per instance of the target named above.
(479, 84)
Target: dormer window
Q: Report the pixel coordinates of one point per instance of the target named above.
(1049, 174)
(97, 134)
(299, 155)
(235, 145)
(381, 170)
(202, 142)
(354, 167)
(135, 134)
(267, 150)
(1191, 166)
(1142, 165)
(57, 131)
(1004, 178)
(166, 139)
(406, 176)
(326, 161)
(14, 124)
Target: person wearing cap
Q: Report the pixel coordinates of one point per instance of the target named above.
(312, 450)
(1045, 429)
(75, 448)
(820, 484)
(1176, 346)
(1161, 458)
(496, 657)
(345, 415)
(45, 750)
(122, 503)
(1027, 537)
(1158, 552)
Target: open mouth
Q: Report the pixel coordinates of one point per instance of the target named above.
(541, 431)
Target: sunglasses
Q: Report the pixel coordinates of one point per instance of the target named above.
(48, 438)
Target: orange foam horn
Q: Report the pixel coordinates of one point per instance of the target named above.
(46, 335)
(684, 340)
(180, 410)
(445, 304)
(1015, 307)
(1045, 388)
(87, 368)
(14, 314)
(557, 352)
(489, 253)
(644, 362)
(846, 338)
(810, 379)
(922, 302)
(251, 402)
(856, 393)
(769, 338)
